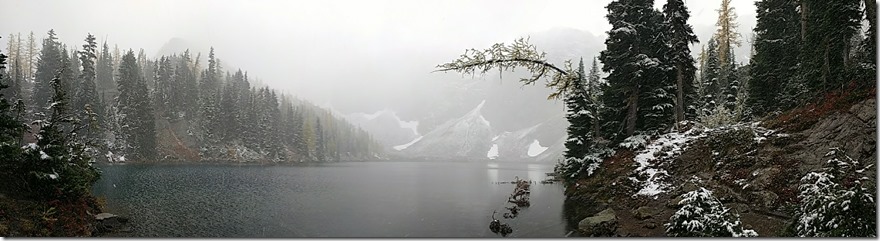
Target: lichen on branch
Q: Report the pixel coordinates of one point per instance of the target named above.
(506, 57)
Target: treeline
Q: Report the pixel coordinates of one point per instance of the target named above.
(144, 109)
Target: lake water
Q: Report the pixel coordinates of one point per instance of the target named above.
(352, 199)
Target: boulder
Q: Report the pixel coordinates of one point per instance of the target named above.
(645, 212)
(603, 224)
(108, 223)
(103, 216)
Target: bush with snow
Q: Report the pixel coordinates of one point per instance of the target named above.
(573, 168)
(720, 116)
(702, 215)
(837, 201)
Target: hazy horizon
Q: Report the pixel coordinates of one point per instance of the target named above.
(354, 55)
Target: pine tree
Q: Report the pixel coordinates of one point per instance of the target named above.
(86, 100)
(630, 63)
(135, 109)
(658, 91)
(209, 101)
(711, 84)
(186, 91)
(827, 28)
(594, 93)
(49, 63)
(319, 141)
(162, 94)
(14, 76)
(104, 77)
(681, 36)
(32, 58)
(579, 118)
(776, 46)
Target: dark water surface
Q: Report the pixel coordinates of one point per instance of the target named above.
(353, 199)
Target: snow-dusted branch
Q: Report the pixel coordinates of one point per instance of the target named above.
(518, 54)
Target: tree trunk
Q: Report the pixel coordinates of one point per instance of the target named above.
(679, 100)
(631, 115)
(804, 15)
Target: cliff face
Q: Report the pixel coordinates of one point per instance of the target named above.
(753, 168)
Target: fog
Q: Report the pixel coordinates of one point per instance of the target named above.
(352, 55)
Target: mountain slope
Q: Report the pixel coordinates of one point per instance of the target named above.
(469, 136)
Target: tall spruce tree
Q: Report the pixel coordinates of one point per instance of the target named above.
(657, 109)
(776, 49)
(133, 105)
(638, 84)
(681, 36)
(47, 66)
(104, 77)
(86, 99)
(579, 118)
(711, 83)
(827, 28)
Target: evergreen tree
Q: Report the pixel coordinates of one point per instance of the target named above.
(776, 46)
(186, 92)
(49, 63)
(208, 101)
(135, 109)
(658, 91)
(579, 118)
(162, 94)
(681, 36)
(104, 78)
(31, 61)
(827, 28)
(319, 141)
(13, 79)
(86, 100)
(711, 84)
(625, 58)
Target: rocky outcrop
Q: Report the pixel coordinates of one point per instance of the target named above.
(108, 223)
(603, 224)
(853, 130)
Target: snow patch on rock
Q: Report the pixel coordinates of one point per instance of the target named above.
(404, 146)
(536, 149)
(493, 152)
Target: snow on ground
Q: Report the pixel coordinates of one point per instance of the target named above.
(536, 149)
(670, 145)
(404, 146)
(413, 125)
(374, 115)
(493, 152)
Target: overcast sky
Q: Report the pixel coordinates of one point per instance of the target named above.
(321, 49)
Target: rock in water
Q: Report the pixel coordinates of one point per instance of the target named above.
(102, 216)
(495, 226)
(603, 223)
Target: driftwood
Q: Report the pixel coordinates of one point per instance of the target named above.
(520, 198)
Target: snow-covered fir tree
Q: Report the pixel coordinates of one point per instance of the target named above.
(702, 215)
(839, 200)
(681, 36)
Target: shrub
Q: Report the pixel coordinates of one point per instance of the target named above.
(702, 215)
(837, 201)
